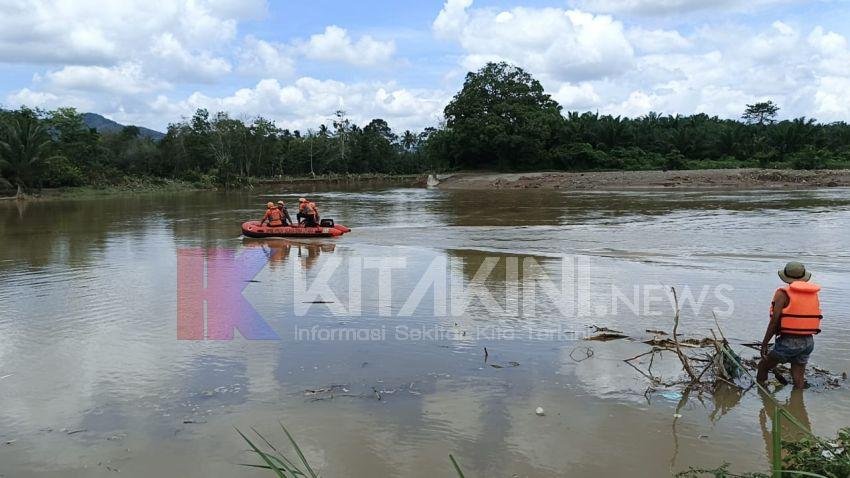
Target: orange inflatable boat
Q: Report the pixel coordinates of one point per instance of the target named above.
(328, 229)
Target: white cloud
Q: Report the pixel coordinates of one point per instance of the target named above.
(657, 41)
(308, 102)
(452, 19)
(47, 100)
(334, 44)
(590, 62)
(667, 7)
(173, 60)
(581, 97)
(262, 58)
(97, 32)
(33, 99)
(555, 44)
(138, 61)
(773, 45)
(831, 98)
(803, 73)
(124, 79)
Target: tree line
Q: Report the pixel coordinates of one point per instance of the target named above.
(501, 119)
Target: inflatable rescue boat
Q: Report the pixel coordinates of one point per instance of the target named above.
(327, 228)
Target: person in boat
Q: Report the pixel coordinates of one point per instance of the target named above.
(315, 212)
(273, 216)
(308, 214)
(795, 317)
(287, 219)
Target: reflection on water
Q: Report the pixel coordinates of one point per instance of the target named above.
(278, 250)
(92, 376)
(795, 404)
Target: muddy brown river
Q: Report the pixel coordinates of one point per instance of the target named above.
(370, 347)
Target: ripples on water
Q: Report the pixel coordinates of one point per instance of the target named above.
(88, 347)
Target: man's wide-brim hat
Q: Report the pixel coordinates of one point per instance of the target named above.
(793, 272)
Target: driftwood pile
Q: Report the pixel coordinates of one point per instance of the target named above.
(706, 361)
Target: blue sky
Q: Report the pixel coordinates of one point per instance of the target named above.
(152, 63)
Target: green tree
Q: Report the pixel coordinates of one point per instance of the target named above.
(25, 147)
(761, 113)
(501, 118)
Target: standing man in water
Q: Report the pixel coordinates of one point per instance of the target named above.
(795, 316)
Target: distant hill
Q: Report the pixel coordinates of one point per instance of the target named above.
(106, 125)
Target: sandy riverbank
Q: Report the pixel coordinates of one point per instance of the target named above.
(709, 178)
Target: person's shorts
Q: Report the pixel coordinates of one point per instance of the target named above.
(793, 348)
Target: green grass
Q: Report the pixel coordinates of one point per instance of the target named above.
(277, 462)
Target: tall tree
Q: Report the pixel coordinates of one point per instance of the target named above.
(761, 113)
(24, 148)
(501, 118)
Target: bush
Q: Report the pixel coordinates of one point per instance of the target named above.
(578, 156)
(766, 159)
(810, 158)
(59, 171)
(674, 160)
(807, 455)
(812, 456)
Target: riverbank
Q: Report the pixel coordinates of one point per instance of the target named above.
(130, 187)
(750, 178)
(334, 179)
(708, 178)
(137, 186)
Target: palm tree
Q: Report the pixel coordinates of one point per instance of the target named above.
(408, 140)
(23, 148)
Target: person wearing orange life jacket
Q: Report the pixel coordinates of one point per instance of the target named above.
(795, 317)
(308, 214)
(287, 219)
(273, 216)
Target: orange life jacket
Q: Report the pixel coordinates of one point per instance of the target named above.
(309, 208)
(274, 216)
(803, 314)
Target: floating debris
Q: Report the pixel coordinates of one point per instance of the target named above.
(722, 365)
(604, 334)
(540, 412)
(507, 365)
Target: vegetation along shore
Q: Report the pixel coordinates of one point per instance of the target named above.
(501, 120)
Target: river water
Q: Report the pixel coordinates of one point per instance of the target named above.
(378, 366)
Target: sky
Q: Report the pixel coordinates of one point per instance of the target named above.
(153, 63)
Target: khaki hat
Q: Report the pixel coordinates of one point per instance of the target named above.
(793, 272)
(302, 200)
(281, 203)
(270, 205)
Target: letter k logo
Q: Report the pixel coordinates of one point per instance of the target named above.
(219, 288)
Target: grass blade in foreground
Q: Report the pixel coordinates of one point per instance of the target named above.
(457, 467)
(298, 451)
(263, 455)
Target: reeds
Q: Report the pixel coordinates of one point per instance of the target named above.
(284, 467)
(276, 461)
